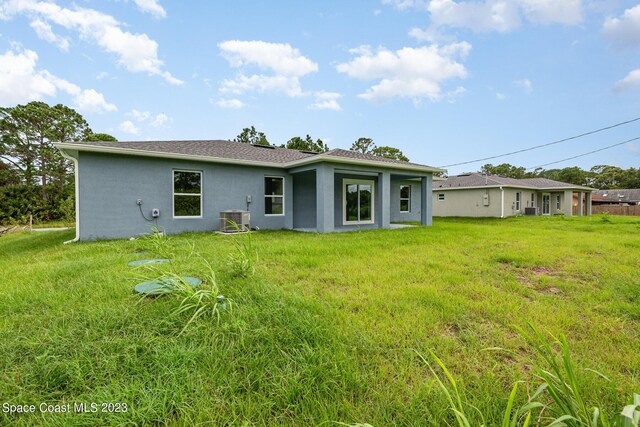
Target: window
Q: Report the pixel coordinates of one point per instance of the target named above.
(533, 199)
(358, 201)
(558, 202)
(273, 195)
(441, 197)
(518, 194)
(405, 198)
(187, 194)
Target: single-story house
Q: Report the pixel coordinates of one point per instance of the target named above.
(624, 197)
(124, 187)
(480, 195)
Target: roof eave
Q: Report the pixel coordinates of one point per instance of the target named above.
(521, 187)
(313, 159)
(161, 154)
(323, 157)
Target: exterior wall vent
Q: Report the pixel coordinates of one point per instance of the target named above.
(242, 218)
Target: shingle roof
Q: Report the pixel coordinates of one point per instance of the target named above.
(231, 150)
(214, 148)
(625, 195)
(480, 180)
(338, 152)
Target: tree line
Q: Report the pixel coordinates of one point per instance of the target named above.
(603, 177)
(34, 177)
(361, 145)
(36, 180)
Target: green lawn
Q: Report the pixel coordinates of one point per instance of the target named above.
(326, 328)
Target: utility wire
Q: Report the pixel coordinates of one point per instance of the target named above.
(544, 145)
(585, 154)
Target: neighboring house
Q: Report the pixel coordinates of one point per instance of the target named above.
(192, 182)
(616, 197)
(479, 195)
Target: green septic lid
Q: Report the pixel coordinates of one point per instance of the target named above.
(154, 286)
(148, 261)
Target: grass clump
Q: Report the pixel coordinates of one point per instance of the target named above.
(564, 403)
(244, 257)
(155, 242)
(202, 301)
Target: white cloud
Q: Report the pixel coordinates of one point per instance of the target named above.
(407, 4)
(144, 116)
(135, 52)
(525, 85)
(261, 83)
(409, 72)
(152, 7)
(421, 35)
(631, 81)
(160, 120)
(230, 103)
(500, 96)
(625, 30)
(139, 116)
(44, 31)
(490, 15)
(21, 82)
(568, 12)
(284, 62)
(128, 127)
(326, 101)
(494, 15)
(92, 101)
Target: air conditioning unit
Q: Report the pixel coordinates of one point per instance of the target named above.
(241, 218)
(531, 211)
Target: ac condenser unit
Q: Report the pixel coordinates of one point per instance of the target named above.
(531, 211)
(228, 218)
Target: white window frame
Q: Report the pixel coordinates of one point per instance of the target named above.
(408, 199)
(346, 182)
(533, 200)
(441, 197)
(174, 194)
(518, 200)
(264, 182)
(558, 204)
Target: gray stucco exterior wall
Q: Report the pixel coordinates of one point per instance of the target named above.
(304, 200)
(415, 208)
(110, 184)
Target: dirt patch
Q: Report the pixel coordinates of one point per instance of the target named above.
(543, 271)
(551, 291)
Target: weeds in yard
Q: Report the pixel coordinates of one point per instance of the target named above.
(605, 217)
(200, 302)
(156, 242)
(244, 258)
(567, 406)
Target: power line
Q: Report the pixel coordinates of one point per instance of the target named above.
(544, 145)
(585, 154)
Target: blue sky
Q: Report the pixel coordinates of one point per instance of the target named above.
(445, 81)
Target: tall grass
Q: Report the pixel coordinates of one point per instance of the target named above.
(559, 388)
(244, 257)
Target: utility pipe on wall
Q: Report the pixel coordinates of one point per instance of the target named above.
(501, 202)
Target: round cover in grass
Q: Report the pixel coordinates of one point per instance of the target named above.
(153, 286)
(148, 261)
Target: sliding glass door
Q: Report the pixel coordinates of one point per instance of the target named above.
(358, 201)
